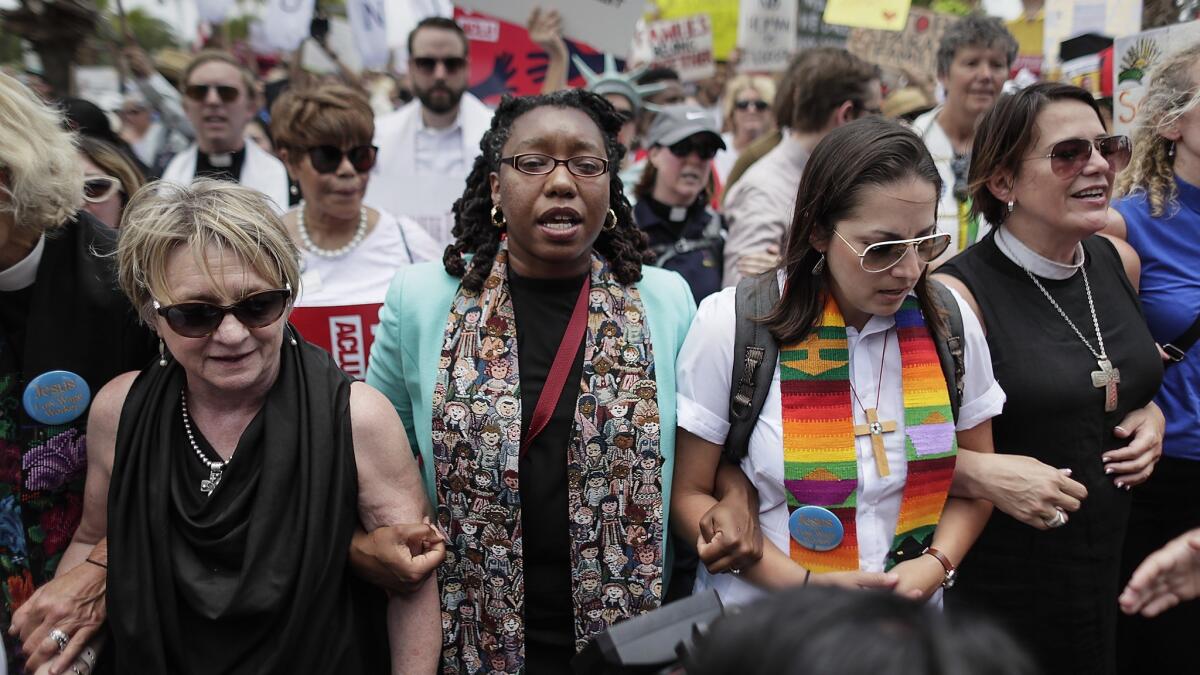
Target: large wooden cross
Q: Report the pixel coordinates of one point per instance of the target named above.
(1107, 378)
(876, 430)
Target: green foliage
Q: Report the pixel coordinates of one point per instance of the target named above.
(10, 47)
(150, 32)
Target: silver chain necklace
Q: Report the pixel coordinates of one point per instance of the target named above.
(215, 468)
(337, 252)
(1107, 377)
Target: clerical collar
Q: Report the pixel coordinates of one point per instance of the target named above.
(220, 165)
(24, 273)
(1015, 250)
(673, 214)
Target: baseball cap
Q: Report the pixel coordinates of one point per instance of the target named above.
(673, 123)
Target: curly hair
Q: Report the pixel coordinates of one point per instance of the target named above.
(1172, 93)
(624, 246)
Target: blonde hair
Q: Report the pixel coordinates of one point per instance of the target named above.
(44, 184)
(764, 85)
(327, 114)
(218, 56)
(107, 158)
(1172, 93)
(162, 217)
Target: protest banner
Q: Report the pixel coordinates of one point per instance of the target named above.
(505, 61)
(401, 16)
(340, 39)
(722, 14)
(286, 23)
(606, 24)
(1065, 19)
(213, 11)
(889, 15)
(346, 331)
(766, 34)
(914, 48)
(368, 24)
(811, 29)
(1133, 59)
(684, 45)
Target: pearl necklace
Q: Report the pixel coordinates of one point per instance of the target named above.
(337, 252)
(215, 468)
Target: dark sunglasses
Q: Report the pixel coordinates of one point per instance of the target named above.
(327, 158)
(428, 64)
(757, 105)
(688, 145)
(200, 319)
(1068, 158)
(199, 92)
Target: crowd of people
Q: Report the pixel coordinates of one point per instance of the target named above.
(313, 386)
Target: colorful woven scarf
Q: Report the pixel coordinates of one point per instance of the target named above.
(614, 473)
(968, 225)
(820, 462)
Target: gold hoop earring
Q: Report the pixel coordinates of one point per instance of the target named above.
(610, 221)
(497, 216)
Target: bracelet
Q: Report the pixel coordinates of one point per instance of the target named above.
(97, 564)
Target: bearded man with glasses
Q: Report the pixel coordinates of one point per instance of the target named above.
(220, 100)
(426, 147)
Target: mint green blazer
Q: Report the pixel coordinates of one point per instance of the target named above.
(404, 358)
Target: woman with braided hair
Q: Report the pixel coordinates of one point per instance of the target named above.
(1158, 214)
(542, 229)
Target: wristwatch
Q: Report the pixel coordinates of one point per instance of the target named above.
(951, 571)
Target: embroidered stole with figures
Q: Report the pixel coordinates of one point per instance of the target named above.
(820, 462)
(614, 494)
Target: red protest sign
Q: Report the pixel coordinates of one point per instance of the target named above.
(345, 331)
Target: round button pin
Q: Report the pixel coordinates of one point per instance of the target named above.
(815, 528)
(56, 397)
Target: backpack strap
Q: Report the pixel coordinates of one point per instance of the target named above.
(712, 237)
(950, 345)
(755, 354)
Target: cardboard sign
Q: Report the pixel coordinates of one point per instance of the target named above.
(505, 61)
(1066, 19)
(346, 331)
(1133, 59)
(875, 14)
(811, 29)
(606, 24)
(684, 45)
(723, 14)
(914, 48)
(766, 34)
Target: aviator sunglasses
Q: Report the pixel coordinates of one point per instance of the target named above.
(327, 158)
(200, 319)
(199, 92)
(884, 255)
(1068, 158)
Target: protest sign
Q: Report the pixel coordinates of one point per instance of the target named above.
(684, 45)
(1065, 19)
(213, 11)
(606, 24)
(368, 24)
(874, 14)
(1133, 59)
(914, 48)
(766, 34)
(403, 15)
(286, 23)
(811, 29)
(505, 61)
(346, 331)
(722, 14)
(340, 41)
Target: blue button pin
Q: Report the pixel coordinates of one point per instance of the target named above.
(815, 528)
(56, 397)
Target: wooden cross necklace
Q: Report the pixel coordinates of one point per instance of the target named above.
(1107, 378)
(875, 428)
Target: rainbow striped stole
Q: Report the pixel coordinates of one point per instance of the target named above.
(819, 460)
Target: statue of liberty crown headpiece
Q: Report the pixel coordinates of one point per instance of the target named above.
(613, 81)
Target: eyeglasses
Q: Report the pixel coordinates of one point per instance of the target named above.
(428, 64)
(758, 106)
(199, 92)
(1068, 158)
(200, 319)
(327, 158)
(884, 255)
(689, 145)
(536, 164)
(99, 188)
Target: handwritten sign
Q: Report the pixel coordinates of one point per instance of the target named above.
(1134, 57)
(889, 15)
(684, 45)
(605, 24)
(811, 29)
(723, 14)
(914, 48)
(346, 331)
(766, 34)
(286, 22)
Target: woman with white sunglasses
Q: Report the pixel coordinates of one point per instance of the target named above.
(854, 450)
(109, 179)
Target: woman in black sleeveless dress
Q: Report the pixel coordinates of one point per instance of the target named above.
(1044, 286)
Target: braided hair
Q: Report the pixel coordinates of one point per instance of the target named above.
(624, 246)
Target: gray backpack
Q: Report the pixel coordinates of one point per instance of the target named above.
(755, 354)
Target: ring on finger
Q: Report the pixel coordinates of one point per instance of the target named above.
(60, 638)
(1057, 520)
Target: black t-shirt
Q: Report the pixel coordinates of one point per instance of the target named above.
(14, 319)
(206, 168)
(543, 310)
